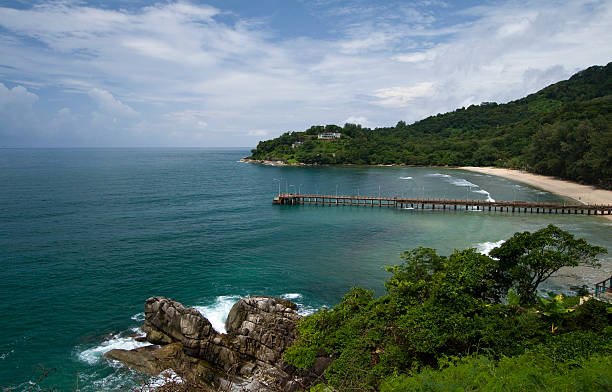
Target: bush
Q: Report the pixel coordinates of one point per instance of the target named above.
(528, 372)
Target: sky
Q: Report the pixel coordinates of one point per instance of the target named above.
(229, 73)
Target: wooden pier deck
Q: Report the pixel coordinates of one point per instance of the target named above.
(442, 204)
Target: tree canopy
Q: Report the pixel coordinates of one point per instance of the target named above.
(528, 259)
(450, 312)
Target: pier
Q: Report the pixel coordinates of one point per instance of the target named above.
(443, 204)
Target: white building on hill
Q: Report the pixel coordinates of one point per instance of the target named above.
(329, 135)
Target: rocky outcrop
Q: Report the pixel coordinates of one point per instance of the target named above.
(248, 357)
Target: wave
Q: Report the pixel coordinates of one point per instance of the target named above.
(137, 332)
(303, 309)
(164, 377)
(93, 355)
(139, 317)
(453, 180)
(406, 178)
(291, 296)
(461, 182)
(483, 192)
(217, 312)
(486, 247)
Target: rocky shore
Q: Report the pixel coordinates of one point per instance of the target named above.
(283, 163)
(271, 163)
(249, 357)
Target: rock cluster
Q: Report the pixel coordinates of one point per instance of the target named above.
(248, 357)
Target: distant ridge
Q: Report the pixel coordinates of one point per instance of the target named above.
(563, 130)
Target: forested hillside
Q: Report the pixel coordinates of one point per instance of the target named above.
(564, 130)
(466, 322)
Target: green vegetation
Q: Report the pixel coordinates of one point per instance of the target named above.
(564, 130)
(456, 322)
(528, 372)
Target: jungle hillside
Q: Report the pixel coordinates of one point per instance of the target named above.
(563, 130)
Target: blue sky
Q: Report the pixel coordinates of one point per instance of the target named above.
(230, 73)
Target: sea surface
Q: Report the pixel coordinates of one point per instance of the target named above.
(87, 235)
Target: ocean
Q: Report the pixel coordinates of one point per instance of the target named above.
(87, 235)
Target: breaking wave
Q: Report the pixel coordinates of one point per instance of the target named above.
(217, 312)
(437, 175)
(462, 182)
(483, 192)
(117, 341)
(486, 247)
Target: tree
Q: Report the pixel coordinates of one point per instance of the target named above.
(411, 281)
(528, 259)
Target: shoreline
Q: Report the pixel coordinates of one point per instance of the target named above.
(585, 194)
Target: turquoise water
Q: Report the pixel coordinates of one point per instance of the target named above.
(87, 235)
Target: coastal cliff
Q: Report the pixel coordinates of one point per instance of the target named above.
(249, 357)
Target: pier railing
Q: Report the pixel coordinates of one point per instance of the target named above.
(442, 204)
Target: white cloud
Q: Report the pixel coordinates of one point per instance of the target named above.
(514, 28)
(17, 117)
(18, 96)
(401, 96)
(111, 105)
(190, 75)
(188, 119)
(363, 121)
(414, 57)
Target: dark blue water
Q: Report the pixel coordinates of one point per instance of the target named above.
(86, 236)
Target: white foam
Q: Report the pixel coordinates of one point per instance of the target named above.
(486, 247)
(164, 377)
(217, 312)
(483, 192)
(121, 378)
(453, 180)
(461, 182)
(303, 310)
(292, 296)
(406, 178)
(140, 317)
(93, 355)
(137, 331)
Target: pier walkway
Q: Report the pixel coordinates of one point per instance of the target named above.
(442, 204)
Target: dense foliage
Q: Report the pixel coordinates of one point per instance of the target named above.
(443, 316)
(564, 130)
(527, 373)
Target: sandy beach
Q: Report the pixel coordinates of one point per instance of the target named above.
(582, 193)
